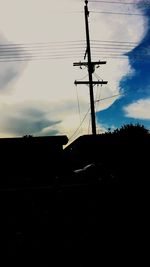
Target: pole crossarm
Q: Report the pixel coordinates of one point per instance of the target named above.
(93, 82)
(76, 64)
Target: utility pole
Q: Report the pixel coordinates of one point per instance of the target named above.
(91, 68)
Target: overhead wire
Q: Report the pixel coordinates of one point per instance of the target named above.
(89, 125)
(97, 76)
(122, 56)
(36, 47)
(60, 52)
(117, 47)
(114, 41)
(76, 131)
(116, 13)
(63, 52)
(109, 97)
(52, 53)
(78, 104)
(99, 89)
(71, 57)
(46, 51)
(65, 49)
(60, 55)
(61, 43)
(37, 59)
(42, 43)
(47, 46)
(118, 2)
(97, 96)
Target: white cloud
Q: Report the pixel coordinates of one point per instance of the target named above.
(139, 109)
(9, 71)
(117, 27)
(51, 81)
(37, 118)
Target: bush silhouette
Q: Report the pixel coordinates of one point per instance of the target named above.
(131, 130)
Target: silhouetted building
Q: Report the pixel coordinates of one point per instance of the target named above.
(30, 160)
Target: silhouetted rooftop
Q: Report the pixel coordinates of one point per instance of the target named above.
(61, 140)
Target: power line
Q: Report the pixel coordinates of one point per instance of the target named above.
(98, 92)
(63, 53)
(103, 56)
(60, 42)
(109, 53)
(121, 52)
(44, 46)
(62, 45)
(112, 53)
(78, 103)
(76, 131)
(118, 2)
(52, 54)
(43, 50)
(72, 48)
(113, 41)
(122, 57)
(105, 98)
(70, 12)
(113, 49)
(117, 50)
(43, 56)
(43, 43)
(68, 51)
(116, 13)
(115, 46)
(44, 53)
(97, 76)
(115, 54)
(89, 125)
(37, 59)
(38, 55)
(102, 99)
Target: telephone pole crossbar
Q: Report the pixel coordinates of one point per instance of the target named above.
(93, 82)
(86, 63)
(91, 68)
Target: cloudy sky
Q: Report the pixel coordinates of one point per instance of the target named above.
(40, 40)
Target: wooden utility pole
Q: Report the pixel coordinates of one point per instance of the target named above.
(91, 68)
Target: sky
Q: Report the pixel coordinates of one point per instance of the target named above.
(39, 42)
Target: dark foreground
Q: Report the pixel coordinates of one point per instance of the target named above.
(84, 224)
(85, 205)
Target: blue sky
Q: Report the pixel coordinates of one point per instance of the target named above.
(134, 105)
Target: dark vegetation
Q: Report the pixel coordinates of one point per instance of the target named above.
(84, 205)
(119, 157)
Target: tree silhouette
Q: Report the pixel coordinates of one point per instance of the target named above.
(132, 130)
(131, 146)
